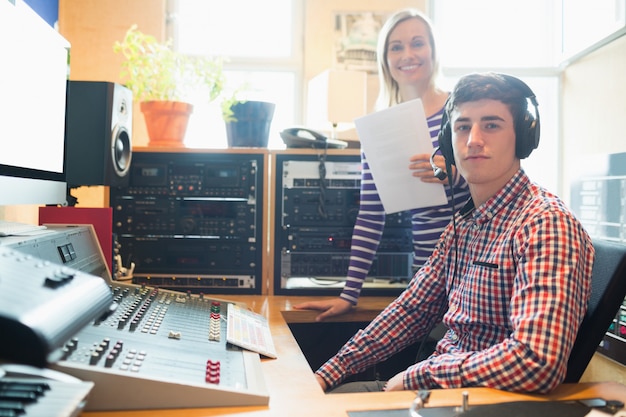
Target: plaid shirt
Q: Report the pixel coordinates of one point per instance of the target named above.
(516, 275)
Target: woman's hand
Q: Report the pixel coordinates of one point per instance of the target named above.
(421, 167)
(329, 308)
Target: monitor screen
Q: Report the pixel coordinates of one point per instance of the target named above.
(33, 83)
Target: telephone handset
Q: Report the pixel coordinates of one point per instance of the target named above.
(302, 137)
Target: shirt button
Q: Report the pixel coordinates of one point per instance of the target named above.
(476, 226)
(454, 337)
(489, 215)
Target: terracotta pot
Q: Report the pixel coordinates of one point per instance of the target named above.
(252, 126)
(166, 122)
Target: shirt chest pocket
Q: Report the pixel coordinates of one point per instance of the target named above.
(485, 292)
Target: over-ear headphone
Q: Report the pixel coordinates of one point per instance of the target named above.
(527, 125)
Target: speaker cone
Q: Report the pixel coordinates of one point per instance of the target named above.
(121, 151)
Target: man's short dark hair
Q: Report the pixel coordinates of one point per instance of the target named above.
(493, 86)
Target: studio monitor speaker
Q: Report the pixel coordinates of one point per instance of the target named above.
(98, 148)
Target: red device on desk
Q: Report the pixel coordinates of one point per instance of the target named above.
(100, 217)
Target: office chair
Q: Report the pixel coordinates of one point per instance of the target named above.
(608, 289)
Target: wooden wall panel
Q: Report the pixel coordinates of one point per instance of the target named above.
(91, 27)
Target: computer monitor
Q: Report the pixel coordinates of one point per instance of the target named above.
(33, 84)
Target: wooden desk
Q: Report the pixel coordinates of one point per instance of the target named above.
(294, 391)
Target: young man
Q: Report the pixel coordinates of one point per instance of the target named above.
(510, 276)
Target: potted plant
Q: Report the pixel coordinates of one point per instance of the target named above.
(161, 79)
(247, 121)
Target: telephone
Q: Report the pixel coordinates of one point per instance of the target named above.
(302, 137)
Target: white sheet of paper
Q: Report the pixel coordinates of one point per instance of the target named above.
(389, 138)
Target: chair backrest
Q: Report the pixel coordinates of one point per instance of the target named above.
(608, 289)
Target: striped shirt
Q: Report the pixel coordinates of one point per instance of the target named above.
(518, 273)
(427, 223)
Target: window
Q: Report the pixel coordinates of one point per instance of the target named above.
(514, 37)
(534, 40)
(491, 33)
(587, 23)
(261, 41)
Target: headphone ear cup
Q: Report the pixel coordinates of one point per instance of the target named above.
(445, 140)
(527, 130)
(527, 136)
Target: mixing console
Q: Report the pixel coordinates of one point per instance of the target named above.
(162, 349)
(141, 347)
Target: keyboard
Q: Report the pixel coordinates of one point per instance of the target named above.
(249, 330)
(28, 395)
(8, 228)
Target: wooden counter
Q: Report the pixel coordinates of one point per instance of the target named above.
(295, 392)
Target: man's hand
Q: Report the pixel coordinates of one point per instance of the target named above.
(329, 308)
(322, 383)
(396, 383)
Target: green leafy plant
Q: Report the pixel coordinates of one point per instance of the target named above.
(152, 70)
(227, 108)
(228, 101)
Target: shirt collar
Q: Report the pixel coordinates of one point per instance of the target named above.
(503, 198)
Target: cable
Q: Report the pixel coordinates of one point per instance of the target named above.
(444, 304)
(321, 206)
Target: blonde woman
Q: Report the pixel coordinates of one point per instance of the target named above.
(408, 69)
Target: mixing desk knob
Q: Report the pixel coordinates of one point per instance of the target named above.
(213, 372)
(108, 362)
(94, 358)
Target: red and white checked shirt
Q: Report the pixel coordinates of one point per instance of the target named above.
(518, 273)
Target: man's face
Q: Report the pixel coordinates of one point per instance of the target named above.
(483, 139)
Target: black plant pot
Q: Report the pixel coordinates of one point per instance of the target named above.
(252, 127)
